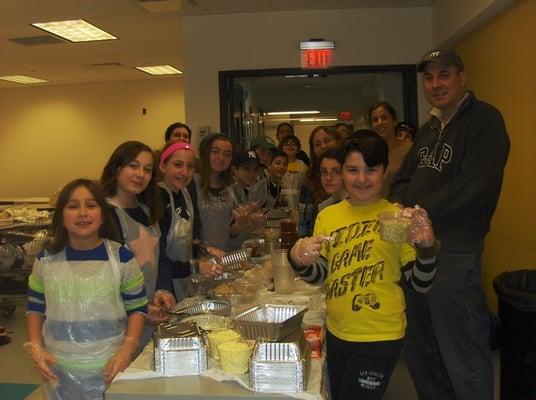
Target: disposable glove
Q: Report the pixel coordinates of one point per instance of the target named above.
(210, 268)
(120, 360)
(42, 360)
(307, 250)
(420, 231)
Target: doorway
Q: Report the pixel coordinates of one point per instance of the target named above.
(249, 98)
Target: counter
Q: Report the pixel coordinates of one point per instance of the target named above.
(205, 387)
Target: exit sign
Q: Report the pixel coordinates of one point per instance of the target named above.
(316, 58)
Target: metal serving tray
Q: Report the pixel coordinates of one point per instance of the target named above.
(269, 322)
(279, 367)
(179, 350)
(218, 307)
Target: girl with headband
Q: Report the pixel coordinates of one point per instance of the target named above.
(177, 164)
(129, 183)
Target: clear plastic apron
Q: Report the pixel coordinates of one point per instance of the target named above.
(85, 321)
(216, 216)
(143, 241)
(179, 237)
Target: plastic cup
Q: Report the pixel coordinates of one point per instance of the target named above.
(394, 227)
(288, 225)
(283, 273)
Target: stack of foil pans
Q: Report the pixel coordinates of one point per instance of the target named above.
(269, 322)
(179, 350)
(279, 367)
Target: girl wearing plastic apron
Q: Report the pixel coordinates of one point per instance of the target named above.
(76, 290)
(143, 242)
(179, 237)
(215, 213)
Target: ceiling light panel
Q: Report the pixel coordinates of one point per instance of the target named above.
(160, 70)
(23, 79)
(76, 30)
(317, 119)
(292, 112)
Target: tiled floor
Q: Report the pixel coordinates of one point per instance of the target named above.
(16, 367)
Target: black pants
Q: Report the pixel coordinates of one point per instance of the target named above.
(360, 370)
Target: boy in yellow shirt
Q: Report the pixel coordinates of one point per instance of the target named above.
(365, 305)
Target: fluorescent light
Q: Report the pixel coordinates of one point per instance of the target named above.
(297, 76)
(22, 79)
(317, 119)
(160, 70)
(76, 30)
(317, 45)
(292, 112)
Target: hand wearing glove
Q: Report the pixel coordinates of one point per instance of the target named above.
(420, 232)
(120, 360)
(257, 220)
(307, 250)
(210, 268)
(157, 314)
(164, 299)
(241, 217)
(215, 252)
(42, 360)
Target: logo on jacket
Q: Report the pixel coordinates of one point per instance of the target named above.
(435, 158)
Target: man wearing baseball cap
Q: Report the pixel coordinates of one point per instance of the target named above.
(454, 170)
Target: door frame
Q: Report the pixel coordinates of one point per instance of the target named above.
(226, 92)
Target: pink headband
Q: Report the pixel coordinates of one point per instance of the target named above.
(173, 148)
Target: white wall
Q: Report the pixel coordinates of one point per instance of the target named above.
(52, 134)
(270, 40)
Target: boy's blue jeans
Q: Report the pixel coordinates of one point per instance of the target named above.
(447, 339)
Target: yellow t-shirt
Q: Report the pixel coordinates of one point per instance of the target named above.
(297, 166)
(364, 300)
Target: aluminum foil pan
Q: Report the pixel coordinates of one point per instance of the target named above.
(218, 307)
(179, 350)
(279, 367)
(269, 322)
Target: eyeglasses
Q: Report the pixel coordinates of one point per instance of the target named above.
(335, 173)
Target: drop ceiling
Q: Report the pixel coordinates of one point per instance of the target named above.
(149, 33)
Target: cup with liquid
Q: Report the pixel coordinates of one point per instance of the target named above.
(283, 273)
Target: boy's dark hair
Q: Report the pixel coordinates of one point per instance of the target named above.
(370, 144)
(278, 153)
(122, 155)
(174, 126)
(107, 230)
(290, 138)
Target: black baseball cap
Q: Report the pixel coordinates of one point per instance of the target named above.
(245, 157)
(445, 57)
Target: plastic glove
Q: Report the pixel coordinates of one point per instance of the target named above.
(120, 360)
(241, 217)
(420, 231)
(210, 268)
(42, 360)
(215, 252)
(156, 314)
(307, 250)
(163, 299)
